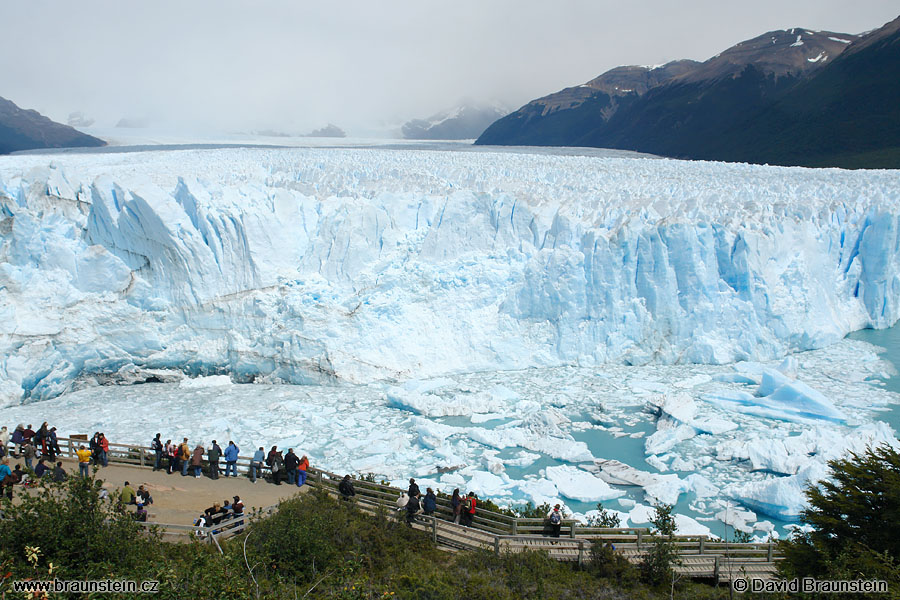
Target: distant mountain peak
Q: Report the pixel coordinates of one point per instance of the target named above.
(22, 129)
(462, 122)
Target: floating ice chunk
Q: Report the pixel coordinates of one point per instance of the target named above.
(701, 486)
(659, 462)
(538, 490)
(487, 484)
(685, 525)
(580, 485)
(618, 473)
(483, 418)
(626, 502)
(772, 379)
(789, 366)
(206, 382)
(737, 517)
(786, 400)
(765, 526)
(666, 489)
(665, 438)
(714, 425)
(779, 497)
(640, 514)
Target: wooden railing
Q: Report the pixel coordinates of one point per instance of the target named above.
(495, 531)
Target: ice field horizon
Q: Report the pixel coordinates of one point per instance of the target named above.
(502, 322)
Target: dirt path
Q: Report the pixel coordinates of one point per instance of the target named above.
(180, 500)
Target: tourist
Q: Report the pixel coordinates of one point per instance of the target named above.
(94, 447)
(301, 470)
(53, 445)
(18, 437)
(213, 455)
(345, 487)
(144, 495)
(184, 456)
(41, 469)
(290, 466)
(429, 504)
(6, 481)
(59, 474)
(157, 446)
(231, 456)
(197, 460)
(41, 437)
(104, 450)
(275, 463)
(84, 460)
(256, 464)
(469, 505)
(28, 452)
(456, 505)
(554, 518)
(127, 495)
(413, 489)
(27, 434)
(171, 457)
(412, 509)
(140, 514)
(4, 441)
(238, 509)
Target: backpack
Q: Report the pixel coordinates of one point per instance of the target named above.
(156, 444)
(555, 518)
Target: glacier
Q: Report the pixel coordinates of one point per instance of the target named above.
(312, 265)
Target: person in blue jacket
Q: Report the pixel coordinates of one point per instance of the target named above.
(231, 456)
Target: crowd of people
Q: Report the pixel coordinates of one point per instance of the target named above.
(175, 458)
(181, 458)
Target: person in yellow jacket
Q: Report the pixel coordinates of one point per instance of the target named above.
(84, 460)
(184, 453)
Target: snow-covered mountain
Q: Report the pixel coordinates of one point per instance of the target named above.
(464, 122)
(362, 264)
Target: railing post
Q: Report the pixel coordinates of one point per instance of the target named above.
(141, 452)
(769, 553)
(515, 526)
(716, 570)
(572, 530)
(640, 535)
(434, 528)
(702, 543)
(580, 553)
(497, 544)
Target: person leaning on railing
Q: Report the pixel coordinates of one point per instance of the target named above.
(256, 463)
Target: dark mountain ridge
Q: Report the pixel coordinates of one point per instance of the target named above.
(29, 130)
(723, 108)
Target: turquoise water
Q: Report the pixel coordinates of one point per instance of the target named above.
(889, 340)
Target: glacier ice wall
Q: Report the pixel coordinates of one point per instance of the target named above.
(314, 264)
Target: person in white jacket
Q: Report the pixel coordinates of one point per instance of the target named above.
(4, 441)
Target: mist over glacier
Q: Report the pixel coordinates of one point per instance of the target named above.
(362, 265)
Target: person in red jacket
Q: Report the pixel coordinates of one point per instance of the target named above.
(104, 450)
(469, 509)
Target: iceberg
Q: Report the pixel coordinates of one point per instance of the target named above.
(577, 484)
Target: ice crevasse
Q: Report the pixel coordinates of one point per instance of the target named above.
(306, 265)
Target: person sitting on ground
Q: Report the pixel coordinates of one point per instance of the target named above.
(413, 489)
(238, 506)
(256, 464)
(197, 460)
(429, 504)
(144, 495)
(554, 518)
(20, 475)
(201, 522)
(412, 509)
(301, 470)
(59, 474)
(213, 513)
(127, 495)
(345, 487)
(41, 469)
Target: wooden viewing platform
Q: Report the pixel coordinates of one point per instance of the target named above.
(700, 557)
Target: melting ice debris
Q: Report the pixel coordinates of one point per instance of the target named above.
(618, 473)
(211, 381)
(779, 497)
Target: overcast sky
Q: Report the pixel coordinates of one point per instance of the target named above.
(295, 65)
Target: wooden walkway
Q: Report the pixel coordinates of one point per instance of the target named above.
(699, 557)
